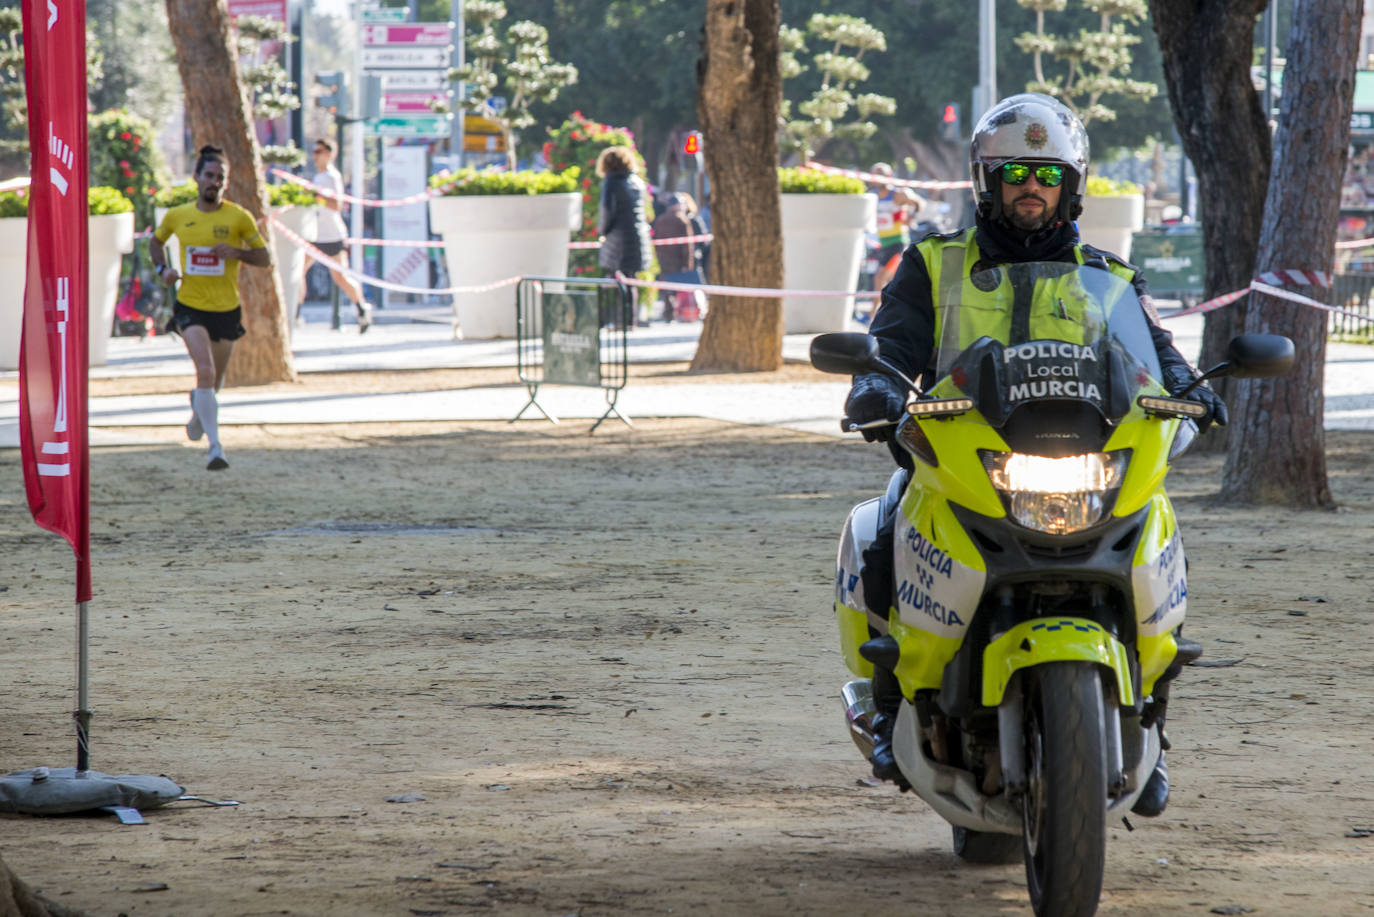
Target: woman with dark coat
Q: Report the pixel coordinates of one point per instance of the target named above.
(623, 223)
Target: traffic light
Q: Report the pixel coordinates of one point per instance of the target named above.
(949, 122)
(691, 151)
(334, 97)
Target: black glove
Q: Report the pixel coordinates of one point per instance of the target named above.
(1177, 378)
(875, 396)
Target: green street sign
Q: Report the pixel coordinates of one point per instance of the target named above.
(411, 126)
(386, 14)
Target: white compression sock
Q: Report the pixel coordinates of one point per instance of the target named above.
(206, 406)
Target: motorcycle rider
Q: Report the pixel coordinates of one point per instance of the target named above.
(1029, 164)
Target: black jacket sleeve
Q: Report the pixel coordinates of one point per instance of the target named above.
(904, 323)
(1170, 360)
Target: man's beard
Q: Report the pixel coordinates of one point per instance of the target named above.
(211, 195)
(1026, 222)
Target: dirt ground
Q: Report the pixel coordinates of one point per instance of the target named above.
(477, 668)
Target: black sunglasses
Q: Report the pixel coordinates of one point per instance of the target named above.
(1016, 173)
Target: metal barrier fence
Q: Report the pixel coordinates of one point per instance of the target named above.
(1354, 293)
(573, 331)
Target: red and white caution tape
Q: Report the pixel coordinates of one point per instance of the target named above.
(1292, 278)
(1264, 284)
(1356, 243)
(315, 254)
(671, 240)
(759, 292)
(874, 179)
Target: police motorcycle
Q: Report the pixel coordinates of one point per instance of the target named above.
(1039, 580)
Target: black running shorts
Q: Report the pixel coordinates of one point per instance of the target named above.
(222, 326)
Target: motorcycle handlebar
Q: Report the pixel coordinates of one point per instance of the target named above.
(849, 426)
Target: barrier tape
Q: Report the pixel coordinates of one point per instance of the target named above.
(412, 243)
(1356, 243)
(14, 184)
(1259, 285)
(315, 254)
(874, 179)
(758, 292)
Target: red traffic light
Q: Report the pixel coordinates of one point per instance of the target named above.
(951, 114)
(692, 144)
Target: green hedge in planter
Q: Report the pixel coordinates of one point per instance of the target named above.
(100, 200)
(490, 181)
(809, 181)
(1108, 187)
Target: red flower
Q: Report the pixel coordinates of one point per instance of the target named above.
(124, 163)
(128, 190)
(586, 182)
(125, 136)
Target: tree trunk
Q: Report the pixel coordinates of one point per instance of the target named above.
(218, 112)
(18, 900)
(739, 91)
(1277, 449)
(1207, 48)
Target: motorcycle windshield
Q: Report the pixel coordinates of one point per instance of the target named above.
(1044, 331)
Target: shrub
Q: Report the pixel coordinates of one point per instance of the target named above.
(290, 194)
(100, 201)
(1108, 187)
(122, 157)
(809, 181)
(577, 142)
(490, 181)
(176, 195)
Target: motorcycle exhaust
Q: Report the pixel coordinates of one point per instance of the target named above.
(859, 711)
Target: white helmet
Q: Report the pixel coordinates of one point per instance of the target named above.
(1029, 127)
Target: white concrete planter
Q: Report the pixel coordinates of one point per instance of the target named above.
(492, 237)
(289, 257)
(823, 249)
(110, 238)
(1109, 221)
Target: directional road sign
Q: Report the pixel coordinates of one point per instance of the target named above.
(386, 14)
(411, 126)
(414, 57)
(438, 34)
(413, 80)
(402, 103)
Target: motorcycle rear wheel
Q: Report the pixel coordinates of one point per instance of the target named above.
(1064, 830)
(986, 847)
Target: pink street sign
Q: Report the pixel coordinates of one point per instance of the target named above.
(410, 33)
(405, 103)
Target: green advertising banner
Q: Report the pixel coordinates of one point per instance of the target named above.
(572, 338)
(1171, 259)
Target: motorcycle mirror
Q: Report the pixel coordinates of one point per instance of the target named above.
(1254, 356)
(846, 353)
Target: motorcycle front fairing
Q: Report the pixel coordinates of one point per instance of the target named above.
(1043, 501)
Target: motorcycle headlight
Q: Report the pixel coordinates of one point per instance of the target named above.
(1057, 495)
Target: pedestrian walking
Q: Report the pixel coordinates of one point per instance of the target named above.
(213, 236)
(331, 235)
(623, 223)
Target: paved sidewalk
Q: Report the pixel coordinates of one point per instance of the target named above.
(421, 338)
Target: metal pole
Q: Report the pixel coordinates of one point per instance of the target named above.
(456, 138)
(987, 56)
(82, 714)
(295, 52)
(356, 153)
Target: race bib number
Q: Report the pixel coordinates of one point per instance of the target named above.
(202, 262)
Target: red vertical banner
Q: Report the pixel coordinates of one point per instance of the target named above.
(53, 354)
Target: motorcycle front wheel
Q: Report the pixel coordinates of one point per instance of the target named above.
(1064, 832)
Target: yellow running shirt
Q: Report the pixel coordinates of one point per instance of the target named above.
(207, 282)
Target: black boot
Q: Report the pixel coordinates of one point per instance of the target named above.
(1154, 797)
(884, 763)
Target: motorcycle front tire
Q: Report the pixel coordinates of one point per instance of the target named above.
(1064, 831)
